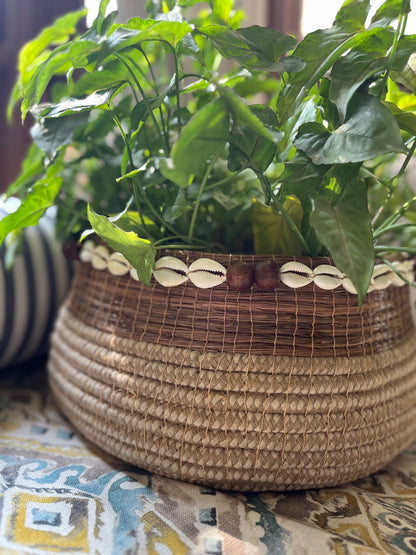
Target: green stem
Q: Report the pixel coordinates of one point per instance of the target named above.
(175, 61)
(393, 227)
(165, 146)
(387, 248)
(395, 216)
(227, 179)
(401, 25)
(198, 199)
(130, 155)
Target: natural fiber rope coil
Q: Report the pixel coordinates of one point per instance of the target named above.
(232, 418)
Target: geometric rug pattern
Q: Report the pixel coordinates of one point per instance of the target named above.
(60, 494)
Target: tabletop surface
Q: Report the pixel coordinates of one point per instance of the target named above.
(58, 493)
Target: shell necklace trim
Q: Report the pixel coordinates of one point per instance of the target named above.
(205, 273)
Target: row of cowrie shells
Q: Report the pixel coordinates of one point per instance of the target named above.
(295, 274)
(206, 273)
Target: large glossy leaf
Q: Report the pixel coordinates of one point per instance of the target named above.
(139, 252)
(272, 235)
(52, 134)
(205, 134)
(40, 198)
(371, 131)
(253, 47)
(344, 228)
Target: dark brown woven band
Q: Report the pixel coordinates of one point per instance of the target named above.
(304, 322)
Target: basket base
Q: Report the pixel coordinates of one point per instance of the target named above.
(236, 422)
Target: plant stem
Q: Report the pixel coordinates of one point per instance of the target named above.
(198, 199)
(401, 25)
(165, 146)
(395, 216)
(387, 248)
(393, 227)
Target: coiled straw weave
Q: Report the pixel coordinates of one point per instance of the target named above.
(251, 390)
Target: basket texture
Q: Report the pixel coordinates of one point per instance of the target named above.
(253, 390)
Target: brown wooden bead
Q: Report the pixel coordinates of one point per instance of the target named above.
(70, 249)
(240, 276)
(266, 275)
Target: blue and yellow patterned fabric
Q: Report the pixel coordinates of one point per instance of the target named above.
(59, 494)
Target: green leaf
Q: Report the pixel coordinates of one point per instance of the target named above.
(247, 148)
(99, 20)
(167, 31)
(52, 134)
(389, 11)
(141, 111)
(243, 115)
(352, 15)
(178, 209)
(204, 135)
(255, 47)
(39, 199)
(319, 50)
(98, 99)
(139, 252)
(405, 120)
(353, 69)
(344, 228)
(112, 74)
(371, 131)
(33, 168)
(272, 234)
(57, 33)
(407, 76)
(61, 58)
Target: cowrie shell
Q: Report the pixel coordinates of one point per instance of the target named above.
(206, 273)
(327, 277)
(380, 269)
(100, 257)
(117, 264)
(170, 271)
(133, 274)
(348, 286)
(87, 250)
(383, 281)
(295, 274)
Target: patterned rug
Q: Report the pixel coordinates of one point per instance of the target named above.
(59, 494)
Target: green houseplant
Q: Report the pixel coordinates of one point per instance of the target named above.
(296, 154)
(294, 175)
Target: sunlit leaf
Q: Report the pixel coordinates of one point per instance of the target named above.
(39, 199)
(272, 235)
(139, 252)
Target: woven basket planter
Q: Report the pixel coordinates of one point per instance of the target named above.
(249, 390)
